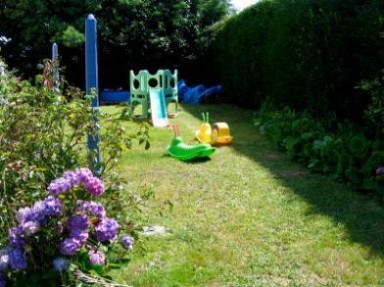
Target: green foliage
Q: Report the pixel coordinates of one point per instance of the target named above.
(133, 34)
(375, 110)
(42, 135)
(71, 37)
(308, 55)
(337, 149)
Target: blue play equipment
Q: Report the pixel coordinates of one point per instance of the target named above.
(193, 95)
(114, 96)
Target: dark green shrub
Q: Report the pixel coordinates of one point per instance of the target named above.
(308, 55)
(375, 110)
(337, 149)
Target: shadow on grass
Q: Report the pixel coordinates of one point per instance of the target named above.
(361, 214)
(196, 160)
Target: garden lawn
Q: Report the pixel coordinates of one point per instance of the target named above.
(246, 217)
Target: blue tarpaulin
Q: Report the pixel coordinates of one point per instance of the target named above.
(193, 95)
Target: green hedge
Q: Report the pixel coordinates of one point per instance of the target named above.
(303, 54)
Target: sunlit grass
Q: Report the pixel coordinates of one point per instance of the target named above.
(247, 216)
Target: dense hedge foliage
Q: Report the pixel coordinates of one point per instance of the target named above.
(132, 34)
(303, 54)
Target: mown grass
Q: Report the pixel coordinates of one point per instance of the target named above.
(248, 216)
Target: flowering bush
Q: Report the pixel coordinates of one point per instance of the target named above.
(64, 232)
(42, 135)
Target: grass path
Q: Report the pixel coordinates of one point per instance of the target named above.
(248, 216)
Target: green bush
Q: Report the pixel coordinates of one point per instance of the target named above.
(375, 110)
(42, 135)
(337, 149)
(308, 55)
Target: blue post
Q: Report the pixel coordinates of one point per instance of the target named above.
(56, 73)
(92, 88)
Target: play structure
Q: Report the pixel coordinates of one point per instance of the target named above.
(153, 93)
(182, 151)
(147, 89)
(158, 108)
(218, 133)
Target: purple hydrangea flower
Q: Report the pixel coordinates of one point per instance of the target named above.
(60, 264)
(4, 259)
(30, 227)
(16, 236)
(78, 226)
(22, 213)
(70, 246)
(83, 174)
(2, 280)
(59, 185)
(127, 242)
(96, 257)
(106, 229)
(37, 213)
(80, 236)
(78, 223)
(72, 177)
(94, 208)
(52, 206)
(17, 259)
(94, 186)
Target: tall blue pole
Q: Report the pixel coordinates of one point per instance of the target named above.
(56, 74)
(92, 88)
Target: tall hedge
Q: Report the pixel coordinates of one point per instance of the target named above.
(306, 54)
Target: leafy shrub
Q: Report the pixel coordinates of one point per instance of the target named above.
(340, 150)
(42, 135)
(375, 110)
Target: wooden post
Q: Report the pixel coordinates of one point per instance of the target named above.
(92, 88)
